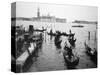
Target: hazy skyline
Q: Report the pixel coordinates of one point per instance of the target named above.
(70, 12)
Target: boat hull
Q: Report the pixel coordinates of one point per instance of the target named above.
(91, 53)
(71, 63)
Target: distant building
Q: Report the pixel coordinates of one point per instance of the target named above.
(47, 18)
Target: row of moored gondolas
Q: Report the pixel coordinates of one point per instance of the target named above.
(71, 59)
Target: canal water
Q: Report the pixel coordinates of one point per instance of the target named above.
(50, 58)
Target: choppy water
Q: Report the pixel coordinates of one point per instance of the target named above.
(50, 58)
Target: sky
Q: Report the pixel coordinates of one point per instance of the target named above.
(70, 12)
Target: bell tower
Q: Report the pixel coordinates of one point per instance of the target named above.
(38, 12)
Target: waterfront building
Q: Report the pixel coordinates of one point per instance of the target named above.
(47, 18)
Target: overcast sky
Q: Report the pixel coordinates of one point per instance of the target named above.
(70, 12)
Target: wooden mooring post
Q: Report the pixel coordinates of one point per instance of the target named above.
(88, 35)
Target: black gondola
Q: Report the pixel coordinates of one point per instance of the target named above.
(58, 41)
(71, 39)
(70, 59)
(91, 53)
(58, 44)
(52, 34)
(71, 62)
(72, 42)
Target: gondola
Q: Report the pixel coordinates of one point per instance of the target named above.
(52, 34)
(79, 26)
(71, 61)
(58, 42)
(72, 42)
(88, 49)
(91, 53)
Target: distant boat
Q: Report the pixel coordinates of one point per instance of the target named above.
(81, 26)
